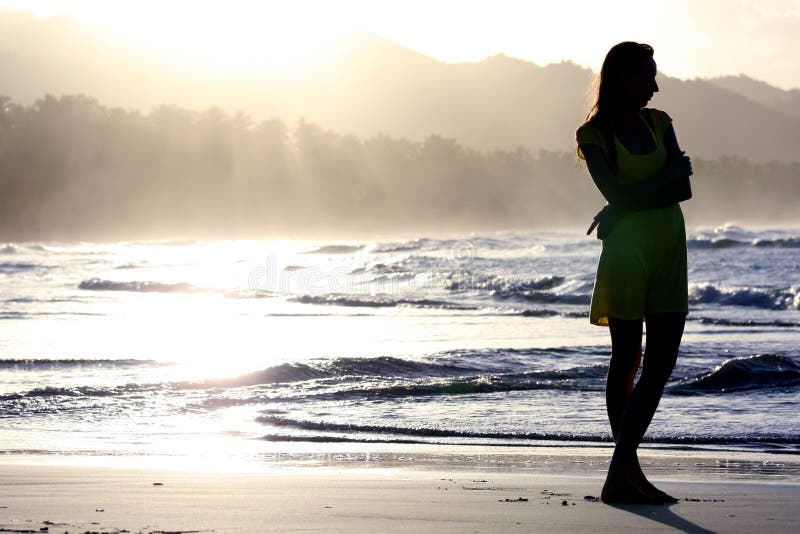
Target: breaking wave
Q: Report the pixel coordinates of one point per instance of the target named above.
(98, 284)
(759, 372)
(341, 300)
(771, 299)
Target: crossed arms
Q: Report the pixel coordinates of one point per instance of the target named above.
(663, 188)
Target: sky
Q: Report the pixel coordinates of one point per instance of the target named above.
(699, 38)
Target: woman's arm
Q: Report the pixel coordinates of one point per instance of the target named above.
(656, 190)
(676, 190)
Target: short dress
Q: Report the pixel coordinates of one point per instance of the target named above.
(642, 267)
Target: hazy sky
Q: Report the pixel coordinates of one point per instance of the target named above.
(760, 38)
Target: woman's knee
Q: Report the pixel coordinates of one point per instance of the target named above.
(659, 360)
(659, 366)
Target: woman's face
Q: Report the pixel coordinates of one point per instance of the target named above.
(640, 85)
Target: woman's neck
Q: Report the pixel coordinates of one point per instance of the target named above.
(628, 117)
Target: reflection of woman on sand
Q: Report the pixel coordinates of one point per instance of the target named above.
(634, 160)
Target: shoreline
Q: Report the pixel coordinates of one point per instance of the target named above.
(551, 460)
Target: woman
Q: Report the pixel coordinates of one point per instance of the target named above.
(634, 160)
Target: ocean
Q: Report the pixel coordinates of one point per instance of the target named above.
(175, 349)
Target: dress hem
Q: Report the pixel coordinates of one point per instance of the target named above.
(603, 320)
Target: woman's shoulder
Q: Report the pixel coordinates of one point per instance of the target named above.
(590, 133)
(591, 124)
(660, 117)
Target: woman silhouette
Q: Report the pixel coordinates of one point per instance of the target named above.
(634, 160)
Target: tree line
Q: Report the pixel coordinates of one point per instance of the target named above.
(72, 168)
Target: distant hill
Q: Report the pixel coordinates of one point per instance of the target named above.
(761, 92)
(370, 85)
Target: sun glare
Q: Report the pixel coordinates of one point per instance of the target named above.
(236, 36)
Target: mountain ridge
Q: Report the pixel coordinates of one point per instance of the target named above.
(372, 85)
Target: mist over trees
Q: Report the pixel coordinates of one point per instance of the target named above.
(71, 168)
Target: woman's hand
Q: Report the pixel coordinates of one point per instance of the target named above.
(680, 166)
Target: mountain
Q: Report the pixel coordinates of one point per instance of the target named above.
(761, 92)
(369, 85)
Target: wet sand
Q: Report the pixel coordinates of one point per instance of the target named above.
(89, 498)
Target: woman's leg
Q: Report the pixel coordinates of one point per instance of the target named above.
(626, 356)
(664, 332)
(626, 346)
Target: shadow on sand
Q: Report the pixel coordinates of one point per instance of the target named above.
(662, 514)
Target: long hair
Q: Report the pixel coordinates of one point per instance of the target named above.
(623, 58)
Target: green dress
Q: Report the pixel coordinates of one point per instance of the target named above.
(642, 267)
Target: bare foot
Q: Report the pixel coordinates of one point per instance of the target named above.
(626, 492)
(637, 478)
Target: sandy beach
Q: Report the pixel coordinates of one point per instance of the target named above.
(40, 495)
